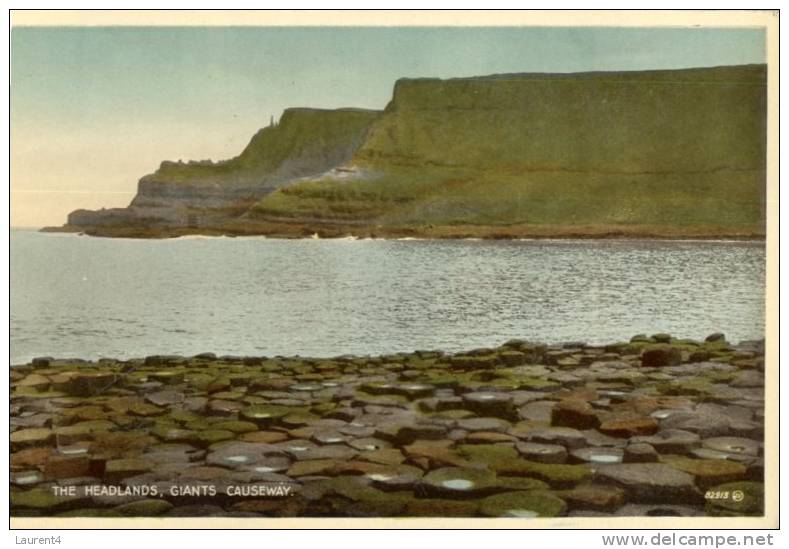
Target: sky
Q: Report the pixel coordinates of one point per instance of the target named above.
(93, 109)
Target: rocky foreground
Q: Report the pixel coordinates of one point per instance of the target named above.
(651, 427)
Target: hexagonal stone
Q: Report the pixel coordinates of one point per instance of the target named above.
(487, 437)
(553, 356)
(384, 456)
(268, 437)
(26, 478)
(660, 355)
(557, 475)
(144, 508)
(329, 451)
(205, 473)
(175, 434)
(328, 437)
(504, 461)
(748, 378)
(414, 390)
(30, 458)
(626, 428)
(134, 406)
(671, 441)
(435, 453)
(308, 387)
(69, 416)
(368, 444)
(265, 414)
(593, 497)
(651, 482)
(640, 452)
(26, 438)
(456, 481)
(34, 421)
(598, 455)
(537, 411)
(491, 404)
(396, 477)
(58, 467)
(295, 448)
(86, 384)
(577, 414)
(207, 437)
(168, 377)
(522, 505)
(708, 472)
(35, 382)
(44, 499)
(440, 508)
(733, 445)
(165, 398)
(563, 436)
(239, 427)
(219, 407)
(465, 362)
(542, 453)
(116, 470)
(235, 455)
(443, 400)
(312, 467)
(706, 425)
(483, 424)
(174, 453)
(596, 438)
(401, 434)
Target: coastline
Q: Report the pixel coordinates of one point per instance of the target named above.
(644, 427)
(450, 232)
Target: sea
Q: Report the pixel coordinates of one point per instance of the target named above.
(75, 296)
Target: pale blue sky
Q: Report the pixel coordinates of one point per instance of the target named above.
(93, 109)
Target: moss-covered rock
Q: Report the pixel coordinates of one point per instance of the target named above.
(265, 415)
(116, 470)
(708, 472)
(574, 413)
(26, 438)
(144, 508)
(208, 437)
(168, 377)
(491, 404)
(504, 460)
(593, 497)
(522, 505)
(440, 508)
(660, 355)
(45, 499)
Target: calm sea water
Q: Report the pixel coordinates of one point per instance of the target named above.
(74, 296)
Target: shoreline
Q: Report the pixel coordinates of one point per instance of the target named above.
(632, 428)
(436, 233)
(684, 343)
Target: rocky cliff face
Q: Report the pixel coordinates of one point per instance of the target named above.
(305, 142)
(656, 121)
(656, 153)
(664, 153)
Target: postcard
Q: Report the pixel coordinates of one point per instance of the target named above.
(490, 269)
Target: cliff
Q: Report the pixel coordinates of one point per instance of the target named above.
(188, 195)
(658, 121)
(651, 153)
